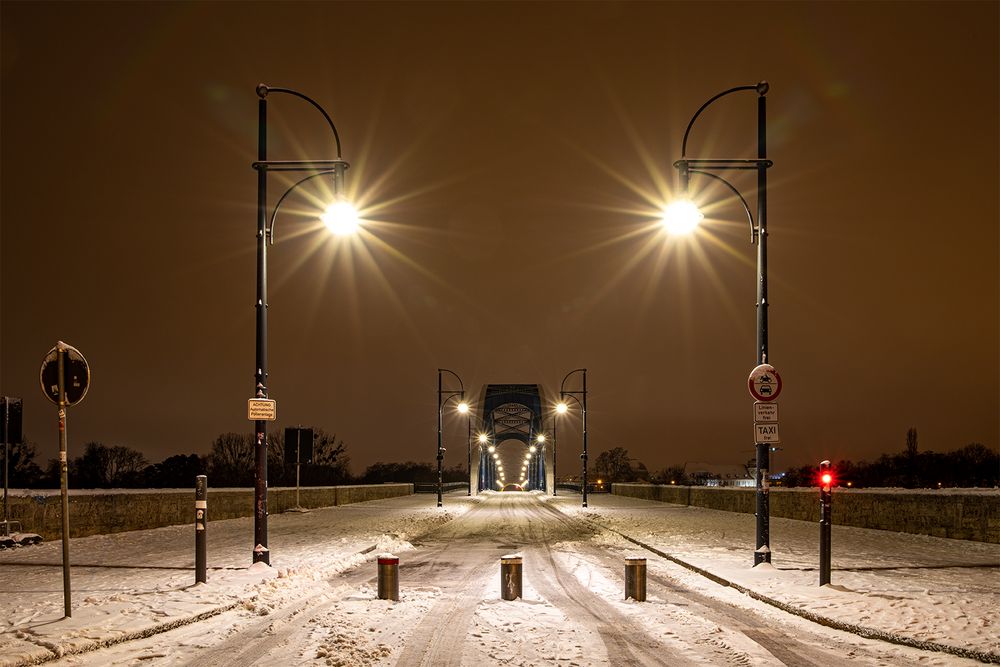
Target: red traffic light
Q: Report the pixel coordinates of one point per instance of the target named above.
(826, 478)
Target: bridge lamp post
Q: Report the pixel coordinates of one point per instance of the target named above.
(445, 395)
(340, 217)
(683, 216)
(563, 395)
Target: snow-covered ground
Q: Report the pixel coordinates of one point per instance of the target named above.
(140, 584)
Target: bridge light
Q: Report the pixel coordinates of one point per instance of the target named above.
(561, 408)
(540, 439)
(532, 449)
(491, 448)
(463, 407)
(496, 456)
(483, 438)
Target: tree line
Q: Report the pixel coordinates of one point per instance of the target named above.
(230, 463)
(974, 465)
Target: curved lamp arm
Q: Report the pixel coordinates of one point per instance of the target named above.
(263, 90)
(746, 206)
(562, 384)
(461, 384)
(274, 212)
(564, 396)
(761, 89)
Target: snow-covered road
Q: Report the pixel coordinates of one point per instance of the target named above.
(317, 605)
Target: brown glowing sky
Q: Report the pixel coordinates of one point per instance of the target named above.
(512, 158)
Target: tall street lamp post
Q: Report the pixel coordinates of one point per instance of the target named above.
(683, 216)
(444, 395)
(561, 408)
(340, 217)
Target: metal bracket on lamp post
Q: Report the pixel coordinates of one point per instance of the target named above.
(758, 235)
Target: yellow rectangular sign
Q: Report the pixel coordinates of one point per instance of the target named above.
(262, 409)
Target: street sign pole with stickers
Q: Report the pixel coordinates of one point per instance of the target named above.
(65, 379)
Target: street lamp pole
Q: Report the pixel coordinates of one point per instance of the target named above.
(441, 402)
(265, 234)
(563, 393)
(758, 235)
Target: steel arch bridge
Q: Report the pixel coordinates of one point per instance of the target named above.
(511, 412)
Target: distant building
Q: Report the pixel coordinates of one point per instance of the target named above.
(718, 474)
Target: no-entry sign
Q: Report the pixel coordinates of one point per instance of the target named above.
(764, 383)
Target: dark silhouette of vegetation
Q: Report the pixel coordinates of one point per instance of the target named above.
(174, 472)
(411, 472)
(974, 465)
(613, 466)
(673, 474)
(24, 472)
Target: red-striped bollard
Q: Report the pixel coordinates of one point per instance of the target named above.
(388, 577)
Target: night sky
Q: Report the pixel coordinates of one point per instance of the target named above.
(511, 160)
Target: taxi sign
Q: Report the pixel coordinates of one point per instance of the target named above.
(766, 433)
(262, 409)
(764, 383)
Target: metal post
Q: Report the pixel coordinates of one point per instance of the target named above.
(200, 529)
(469, 441)
(584, 437)
(825, 522)
(440, 454)
(555, 479)
(64, 479)
(260, 551)
(388, 577)
(298, 463)
(6, 461)
(635, 578)
(762, 554)
(510, 577)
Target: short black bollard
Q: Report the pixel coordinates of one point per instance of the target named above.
(200, 532)
(635, 578)
(510, 577)
(825, 521)
(388, 577)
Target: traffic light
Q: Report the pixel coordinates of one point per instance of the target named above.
(825, 520)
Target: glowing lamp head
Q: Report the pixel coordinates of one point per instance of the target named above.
(540, 439)
(463, 407)
(341, 218)
(483, 439)
(681, 217)
(562, 408)
(496, 456)
(491, 448)
(532, 449)
(826, 478)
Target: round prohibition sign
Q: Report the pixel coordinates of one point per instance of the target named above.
(76, 374)
(764, 383)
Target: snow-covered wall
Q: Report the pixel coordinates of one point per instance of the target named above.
(965, 514)
(98, 512)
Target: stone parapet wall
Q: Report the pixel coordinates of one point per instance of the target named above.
(964, 514)
(98, 512)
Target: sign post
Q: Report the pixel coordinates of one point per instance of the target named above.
(764, 384)
(10, 426)
(65, 379)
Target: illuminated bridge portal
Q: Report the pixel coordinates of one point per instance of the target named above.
(514, 447)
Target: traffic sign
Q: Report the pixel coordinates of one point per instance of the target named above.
(76, 374)
(262, 409)
(765, 413)
(766, 433)
(764, 383)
